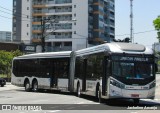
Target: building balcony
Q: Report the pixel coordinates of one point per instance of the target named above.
(36, 23)
(51, 37)
(111, 9)
(36, 40)
(51, 12)
(42, 2)
(55, 48)
(106, 0)
(60, 29)
(112, 24)
(36, 31)
(38, 14)
(112, 32)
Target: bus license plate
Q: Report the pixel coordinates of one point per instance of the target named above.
(135, 95)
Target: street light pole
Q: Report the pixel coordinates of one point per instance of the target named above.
(131, 17)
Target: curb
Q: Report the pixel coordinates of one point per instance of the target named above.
(8, 83)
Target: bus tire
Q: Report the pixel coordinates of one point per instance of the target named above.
(35, 86)
(27, 85)
(136, 101)
(78, 90)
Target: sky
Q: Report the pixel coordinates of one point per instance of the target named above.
(144, 12)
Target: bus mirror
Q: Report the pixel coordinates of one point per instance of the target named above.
(108, 64)
(156, 67)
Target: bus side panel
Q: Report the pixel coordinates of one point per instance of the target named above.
(18, 81)
(62, 83)
(42, 82)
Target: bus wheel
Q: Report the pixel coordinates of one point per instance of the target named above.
(35, 86)
(78, 91)
(136, 101)
(27, 86)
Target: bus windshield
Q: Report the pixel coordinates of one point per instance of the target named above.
(132, 69)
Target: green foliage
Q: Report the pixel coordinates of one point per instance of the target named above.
(156, 23)
(6, 61)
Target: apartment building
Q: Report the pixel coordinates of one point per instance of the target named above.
(5, 36)
(65, 24)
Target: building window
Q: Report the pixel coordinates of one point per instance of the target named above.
(58, 44)
(74, 23)
(27, 8)
(14, 3)
(74, 32)
(14, 20)
(27, 33)
(68, 44)
(74, 15)
(74, 6)
(27, 25)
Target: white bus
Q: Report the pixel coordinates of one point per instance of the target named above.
(111, 70)
(41, 71)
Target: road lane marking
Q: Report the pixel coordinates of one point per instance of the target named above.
(80, 103)
(54, 111)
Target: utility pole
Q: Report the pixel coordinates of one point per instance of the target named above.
(131, 17)
(43, 27)
(42, 33)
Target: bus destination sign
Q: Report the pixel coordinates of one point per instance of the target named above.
(134, 59)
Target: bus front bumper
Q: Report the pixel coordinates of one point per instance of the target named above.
(116, 92)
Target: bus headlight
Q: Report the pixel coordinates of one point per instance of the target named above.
(152, 85)
(117, 84)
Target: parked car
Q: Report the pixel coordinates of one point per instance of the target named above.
(2, 82)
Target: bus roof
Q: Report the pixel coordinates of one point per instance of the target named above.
(117, 47)
(46, 55)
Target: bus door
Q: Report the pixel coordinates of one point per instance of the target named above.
(54, 73)
(52, 83)
(84, 75)
(105, 74)
(60, 72)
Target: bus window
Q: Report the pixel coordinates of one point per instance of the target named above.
(61, 68)
(143, 70)
(132, 70)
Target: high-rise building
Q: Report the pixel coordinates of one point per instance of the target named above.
(68, 24)
(5, 36)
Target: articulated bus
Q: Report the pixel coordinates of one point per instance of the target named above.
(41, 71)
(111, 70)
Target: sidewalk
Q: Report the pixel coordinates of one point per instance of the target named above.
(9, 86)
(157, 80)
(8, 83)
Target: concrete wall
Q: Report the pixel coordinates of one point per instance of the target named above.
(80, 38)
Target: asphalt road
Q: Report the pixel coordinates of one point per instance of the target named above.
(51, 102)
(15, 98)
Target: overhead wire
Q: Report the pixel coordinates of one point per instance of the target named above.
(20, 15)
(17, 13)
(137, 32)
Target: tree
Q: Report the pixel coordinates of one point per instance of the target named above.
(156, 23)
(6, 61)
